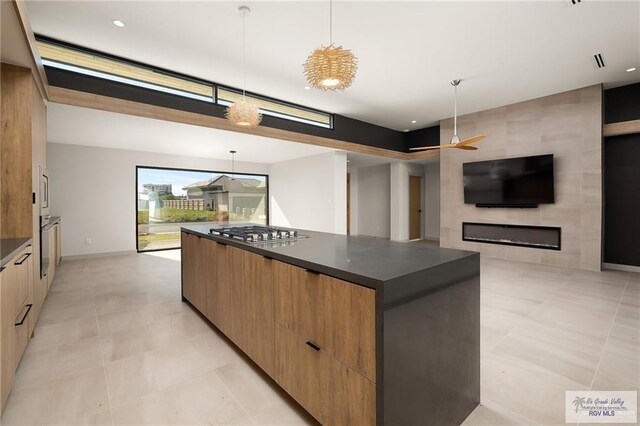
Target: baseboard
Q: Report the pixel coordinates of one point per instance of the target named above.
(617, 267)
(97, 255)
(432, 239)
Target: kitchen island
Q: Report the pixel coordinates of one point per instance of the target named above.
(357, 330)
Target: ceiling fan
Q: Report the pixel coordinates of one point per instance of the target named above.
(465, 144)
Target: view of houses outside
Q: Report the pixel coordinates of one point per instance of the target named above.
(170, 198)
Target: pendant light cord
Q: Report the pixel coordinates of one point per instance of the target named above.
(244, 54)
(330, 22)
(455, 110)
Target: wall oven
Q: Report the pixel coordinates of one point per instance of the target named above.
(44, 192)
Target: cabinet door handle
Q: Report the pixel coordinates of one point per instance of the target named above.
(312, 272)
(313, 346)
(25, 315)
(222, 244)
(21, 261)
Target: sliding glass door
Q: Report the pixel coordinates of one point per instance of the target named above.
(170, 198)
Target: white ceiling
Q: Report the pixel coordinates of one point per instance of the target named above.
(89, 127)
(506, 51)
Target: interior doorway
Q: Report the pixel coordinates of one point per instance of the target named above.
(415, 207)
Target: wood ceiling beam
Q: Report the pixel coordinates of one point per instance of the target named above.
(105, 103)
(621, 128)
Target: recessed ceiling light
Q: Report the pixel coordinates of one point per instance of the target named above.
(413, 122)
(307, 87)
(631, 69)
(406, 130)
(118, 23)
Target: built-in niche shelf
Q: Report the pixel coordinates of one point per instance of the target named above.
(541, 237)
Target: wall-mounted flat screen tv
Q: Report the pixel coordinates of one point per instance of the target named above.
(510, 182)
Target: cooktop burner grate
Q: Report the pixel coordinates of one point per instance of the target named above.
(256, 234)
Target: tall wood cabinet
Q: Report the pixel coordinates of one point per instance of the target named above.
(313, 334)
(18, 100)
(22, 151)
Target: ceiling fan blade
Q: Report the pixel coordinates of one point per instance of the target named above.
(471, 140)
(424, 148)
(467, 147)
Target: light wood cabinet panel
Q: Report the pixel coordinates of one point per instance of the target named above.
(21, 283)
(298, 303)
(350, 324)
(21, 334)
(315, 335)
(16, 86)
(258, 321)
(15, 315)
(189, 264)
(351, 397)
(217, 282)
(330, 391)
(234, 316)
(336, 315)
(7, 360)
(300, 370)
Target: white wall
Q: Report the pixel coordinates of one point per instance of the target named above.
(353, 171)
(399, 203)
(310, 193)
(432, 200)
(399, 207)
(373, 201)
(93, 189)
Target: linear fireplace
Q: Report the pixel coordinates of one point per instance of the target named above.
(542, 237)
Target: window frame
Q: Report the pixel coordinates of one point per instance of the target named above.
(215, 87)
(179, 169)
(281, 115)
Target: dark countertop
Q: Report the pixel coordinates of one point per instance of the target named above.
(52, 221)
(368, 261)
(10, 247)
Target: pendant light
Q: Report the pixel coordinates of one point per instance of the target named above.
(243, 113)
(455, 142)
(331, 67)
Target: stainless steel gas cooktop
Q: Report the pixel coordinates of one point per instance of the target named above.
(256, 234)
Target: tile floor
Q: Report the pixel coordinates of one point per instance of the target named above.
(115, 345)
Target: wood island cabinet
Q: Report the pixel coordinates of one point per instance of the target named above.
(194, 271)
(257, 310)
(358, 331)
(313, 334)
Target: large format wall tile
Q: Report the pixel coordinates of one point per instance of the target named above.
(568, 125)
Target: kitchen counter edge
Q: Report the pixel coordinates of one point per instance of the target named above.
(11, 247)
(315, 267)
